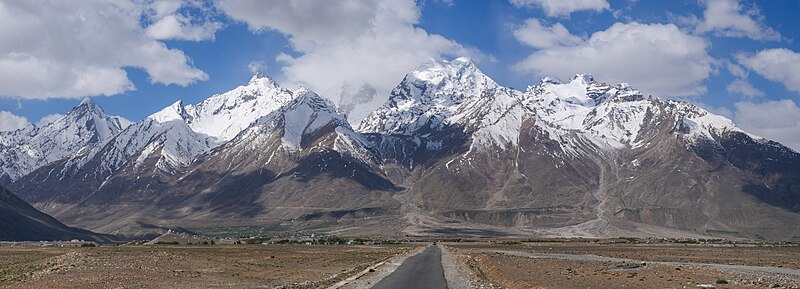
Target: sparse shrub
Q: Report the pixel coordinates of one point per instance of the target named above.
(722, 281)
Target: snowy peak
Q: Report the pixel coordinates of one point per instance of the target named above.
(307, 98)
(225, 115)
(87, 104)
(89, 118)
(581, 89)
(699, 124)
(179, 133)
(262, 82)
(448, 79)
(84, 125)
(428, 95)
(613, 117)
(306, 114)
(582, 78)
(173, 112)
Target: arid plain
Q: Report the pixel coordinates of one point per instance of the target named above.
(479, 263)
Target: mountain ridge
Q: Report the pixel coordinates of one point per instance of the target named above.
(450, 151)
(29, 148)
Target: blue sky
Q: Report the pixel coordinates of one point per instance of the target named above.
(737, 58)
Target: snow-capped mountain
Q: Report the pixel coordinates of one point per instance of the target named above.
(428, 96)
(223, 116)
(482, 153)
(612, 117)
(441, 94)
(165, 162)
(178, 134)
(25, 150)
(450, 151)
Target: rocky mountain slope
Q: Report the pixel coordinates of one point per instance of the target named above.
(450, 152)
(22, 222)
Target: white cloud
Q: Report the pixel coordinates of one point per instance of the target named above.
(734, 69)
(742, 87)
(554, 8)
(777, 120)
(47, 119)
(257, 66)
(355, 42)
(659, 59)
(448, 3)
(169, 22)
(534, 34)
(180, 27)
(730, 19)
(778, 64)
(11, 122)
(73, 49)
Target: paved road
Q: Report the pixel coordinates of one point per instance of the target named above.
(421, 271)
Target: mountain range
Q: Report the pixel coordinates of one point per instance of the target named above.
(450, 152)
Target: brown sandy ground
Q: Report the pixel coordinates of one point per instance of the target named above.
(511, 266)
(239, 266)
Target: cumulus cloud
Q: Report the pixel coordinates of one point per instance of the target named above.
(659, 59)
(172, 19)
(12, 122)
(535, 35)
(555, 8)
(73, 49)
(356, 42)
(777, 64)
(730, 19)
(777, 120)
(744, 88)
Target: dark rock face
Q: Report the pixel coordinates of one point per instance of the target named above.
(22, 222)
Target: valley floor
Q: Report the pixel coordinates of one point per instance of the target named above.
(590, 265)
(480, 264)
(171, 266)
